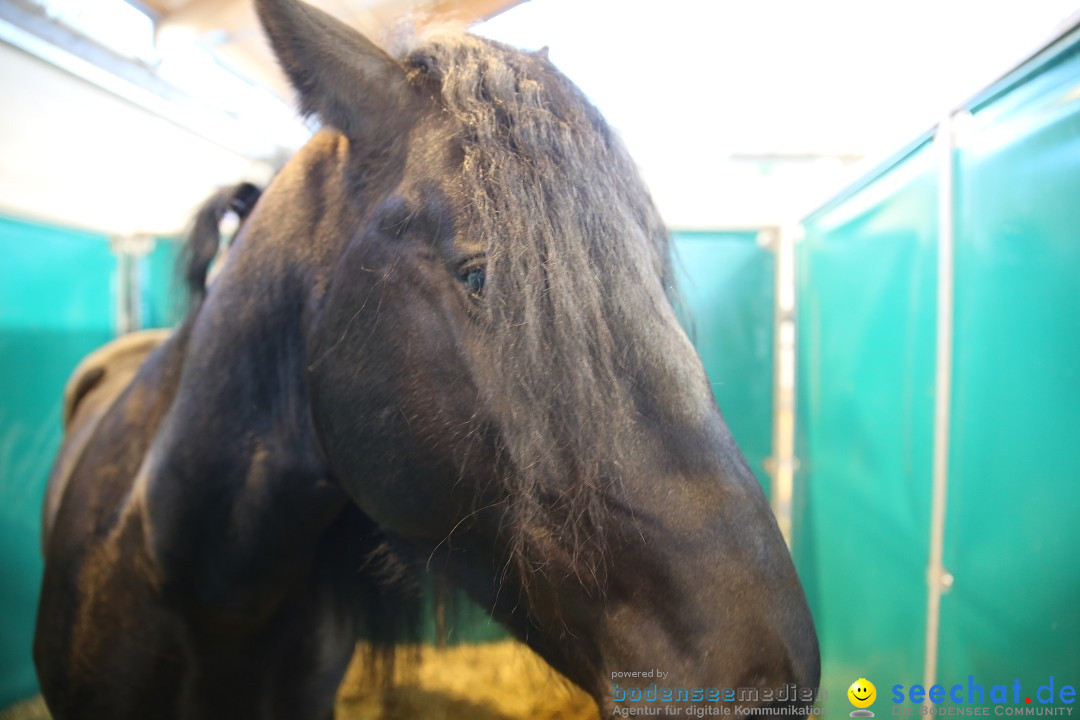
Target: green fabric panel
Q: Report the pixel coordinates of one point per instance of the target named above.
(56, 305)
(728, 284)
(1012, 534)
(161, 295)
(866, 278)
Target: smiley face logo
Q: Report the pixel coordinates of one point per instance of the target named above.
(862, 693)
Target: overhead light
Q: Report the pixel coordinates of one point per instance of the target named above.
(116, 24)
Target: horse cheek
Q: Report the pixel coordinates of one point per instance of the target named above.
(390, 411)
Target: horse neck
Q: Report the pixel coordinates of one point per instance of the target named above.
(239, 437)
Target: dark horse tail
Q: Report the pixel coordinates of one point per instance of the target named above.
(204, 239)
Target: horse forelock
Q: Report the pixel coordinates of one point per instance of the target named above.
(578, 273)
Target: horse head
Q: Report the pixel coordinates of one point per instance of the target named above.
(495, 372)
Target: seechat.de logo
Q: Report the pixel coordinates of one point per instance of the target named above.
(1001, 695)
(862, 694)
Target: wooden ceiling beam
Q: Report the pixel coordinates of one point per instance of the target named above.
(461, 10)
(470, 11)
(163, 8)
(233, 30)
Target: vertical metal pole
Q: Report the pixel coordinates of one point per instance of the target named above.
(938, 580)
(782, 464)
(123, 322)
(128, 250)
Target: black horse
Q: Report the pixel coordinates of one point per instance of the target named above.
(442, 341)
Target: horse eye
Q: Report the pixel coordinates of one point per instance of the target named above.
(474, 280)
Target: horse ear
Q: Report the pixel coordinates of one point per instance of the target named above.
(340, 75)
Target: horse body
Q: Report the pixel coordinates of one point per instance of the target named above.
(94, 386)
(442, 340)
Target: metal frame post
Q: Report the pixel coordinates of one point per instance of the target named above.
(129, 249)
(938, 579)
(782, 464)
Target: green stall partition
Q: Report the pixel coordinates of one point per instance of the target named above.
(728, 282)
(161, 295)
(1012, 533)
(867, 322)
(57, 300)
(866, 278)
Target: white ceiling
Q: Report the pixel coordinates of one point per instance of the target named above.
(690, 84)
(73, 154)
(740, 113)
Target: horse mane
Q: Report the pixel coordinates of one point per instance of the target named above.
(577, 257)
